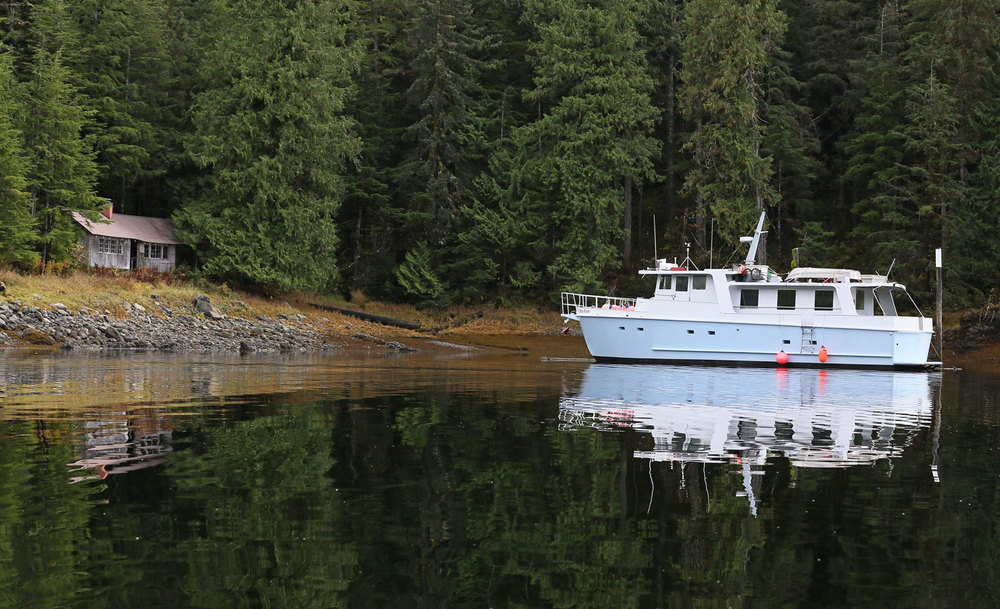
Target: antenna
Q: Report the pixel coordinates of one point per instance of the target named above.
(654, 240)
(755, 241)
(711, 244)
(890, 268)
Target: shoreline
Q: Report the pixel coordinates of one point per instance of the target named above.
(202, 328)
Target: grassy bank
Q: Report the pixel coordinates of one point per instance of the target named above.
(117, 292)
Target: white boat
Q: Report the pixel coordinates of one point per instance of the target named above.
(814, 418)
(750, 314)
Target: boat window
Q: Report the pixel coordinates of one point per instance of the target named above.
(665, 282)
(824, 300)
(859, 300)
(698, 282)
(682, 283)
(749, 298)
(786, 299)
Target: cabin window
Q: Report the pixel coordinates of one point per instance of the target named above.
(786, 299)
(824, 300)
(107, 245)
(698, 282)
(749, 298)
(665, 282)
(682, 283)
(156, 250)
(859, 300)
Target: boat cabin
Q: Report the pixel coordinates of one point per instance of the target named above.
(830, 291)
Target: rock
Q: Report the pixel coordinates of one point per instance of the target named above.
(203, 305)
(138, 307)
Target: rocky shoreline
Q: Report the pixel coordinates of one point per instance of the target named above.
(204, 329)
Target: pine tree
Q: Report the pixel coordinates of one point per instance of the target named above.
(440, 92)
(123, 66)
(593, 135)
(274, 139)
(726, 48)
(372, 216)
(16, 230)
(976, 217)
(63, 169)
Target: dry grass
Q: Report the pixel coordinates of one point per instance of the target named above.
(115, 292)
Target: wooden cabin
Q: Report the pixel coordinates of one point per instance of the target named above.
(122, 241)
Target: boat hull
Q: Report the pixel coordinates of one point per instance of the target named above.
(629, 338)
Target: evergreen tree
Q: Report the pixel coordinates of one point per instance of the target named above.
(976, 225)
(124, 71)
(661, 29)
(480, 251)
(63, 169)
(877, 166)
(273, 136)
(372, 215)
(16, 230)
(792, 147)
(726, 49)
(441, 89)
(592, 138)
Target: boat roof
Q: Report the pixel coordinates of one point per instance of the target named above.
(809, 273)
(805, 274)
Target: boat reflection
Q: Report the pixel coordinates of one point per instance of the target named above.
(815, 418)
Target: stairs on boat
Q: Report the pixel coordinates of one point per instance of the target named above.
(808, 344)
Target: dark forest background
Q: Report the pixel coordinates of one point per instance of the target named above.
(457, 151)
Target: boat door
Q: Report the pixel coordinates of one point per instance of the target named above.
(682, 287)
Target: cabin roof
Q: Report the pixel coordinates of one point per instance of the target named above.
(123, 226)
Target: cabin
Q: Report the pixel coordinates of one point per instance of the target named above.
(121, 241)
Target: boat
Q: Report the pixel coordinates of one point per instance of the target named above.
(750, 314)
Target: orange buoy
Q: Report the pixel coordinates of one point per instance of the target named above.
(781, 357)
(822, 355)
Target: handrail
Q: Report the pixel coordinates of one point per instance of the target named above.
(571, 301)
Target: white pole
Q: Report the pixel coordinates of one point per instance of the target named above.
(940, 302)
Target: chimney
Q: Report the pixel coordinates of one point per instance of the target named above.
(108, 211)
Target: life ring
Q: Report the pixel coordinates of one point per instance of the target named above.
(755, 274)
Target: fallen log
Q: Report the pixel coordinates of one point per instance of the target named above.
(378, 319)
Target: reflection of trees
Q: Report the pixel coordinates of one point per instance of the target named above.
(258, 512)
(477, 499)
(43, 520)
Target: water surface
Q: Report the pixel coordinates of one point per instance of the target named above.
(492, 479)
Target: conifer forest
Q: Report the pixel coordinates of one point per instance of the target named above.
(456, 151)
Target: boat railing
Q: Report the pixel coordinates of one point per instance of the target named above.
(572, 301)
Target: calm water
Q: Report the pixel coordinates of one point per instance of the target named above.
(492, 479)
